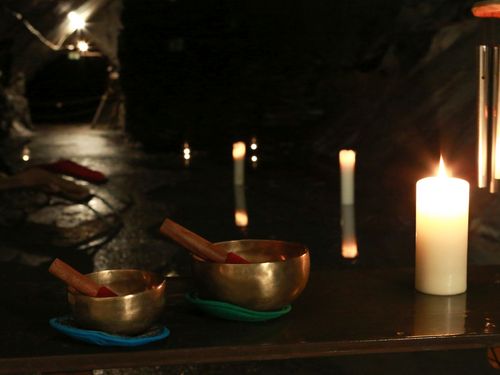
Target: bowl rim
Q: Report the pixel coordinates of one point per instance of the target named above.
(161, 285)
(304, 251)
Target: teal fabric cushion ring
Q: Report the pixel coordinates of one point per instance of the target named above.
(67, 326)
(229, 311)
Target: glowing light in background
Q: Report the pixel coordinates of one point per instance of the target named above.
(186, 153)
(82, 46)
(253, 144)
(25, 153)
(76, 21)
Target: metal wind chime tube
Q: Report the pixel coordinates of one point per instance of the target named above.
(488, 119)
(482, 116)
(488, 98)
(495, 118)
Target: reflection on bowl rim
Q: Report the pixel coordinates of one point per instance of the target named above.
(160, 285)
(302, 250)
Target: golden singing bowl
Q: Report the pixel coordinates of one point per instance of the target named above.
(276, 276)
(140, 301)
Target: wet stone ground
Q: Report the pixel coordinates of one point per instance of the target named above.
(286, 198)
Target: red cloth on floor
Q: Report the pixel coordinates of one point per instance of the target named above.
(76, 170)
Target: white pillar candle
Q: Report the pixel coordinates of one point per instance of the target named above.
(239, 151)
(442, 214)
(347, 159)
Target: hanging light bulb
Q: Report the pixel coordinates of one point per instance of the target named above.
(82, 46)
(76, 21)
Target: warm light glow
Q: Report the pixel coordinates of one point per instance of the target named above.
(25, 154)
(82, 46)
(241, 217)
(349, 249)
(254, 158)
(347, 158)
(253, 144)
(186, 151)
(442, 169)
(239, 150)
(76, 21)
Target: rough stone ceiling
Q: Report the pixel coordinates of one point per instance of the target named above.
(27, 53)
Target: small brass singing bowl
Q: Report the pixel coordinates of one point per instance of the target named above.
(139, 304)
(277, 274)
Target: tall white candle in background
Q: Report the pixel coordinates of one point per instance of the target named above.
(239, 151)
(441, 234)
(347, 159)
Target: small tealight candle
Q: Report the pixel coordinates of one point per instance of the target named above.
(442, 217)
(239, 151)
(347, 159)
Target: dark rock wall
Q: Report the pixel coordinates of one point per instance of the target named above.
(387, 74)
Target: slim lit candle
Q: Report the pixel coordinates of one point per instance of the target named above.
(441, 234)
(347, 159)
(239, 151)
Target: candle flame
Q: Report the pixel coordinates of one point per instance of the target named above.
(442, 169)
(239, 150)
(347, 158)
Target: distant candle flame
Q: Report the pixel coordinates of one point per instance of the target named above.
(442, 169)
(347, 158)
(239, 150)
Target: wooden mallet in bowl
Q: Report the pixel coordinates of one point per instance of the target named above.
(197, 244)
(78, 281)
